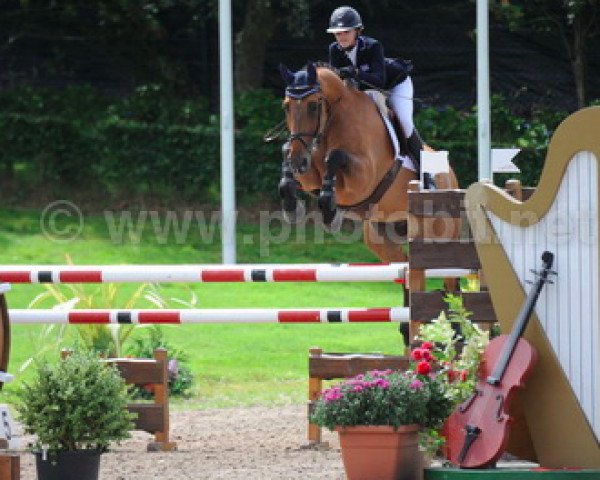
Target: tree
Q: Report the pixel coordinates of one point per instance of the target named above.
(261, 19)
(128, 39)
(575, 21)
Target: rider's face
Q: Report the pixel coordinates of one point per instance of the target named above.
(346, 38)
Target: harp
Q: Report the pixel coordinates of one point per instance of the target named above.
(561, 401)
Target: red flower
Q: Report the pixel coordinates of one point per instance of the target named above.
(464, 375)
(417, 354)
(426, 355)
(451, 375)
(423, 368)
(427, 345)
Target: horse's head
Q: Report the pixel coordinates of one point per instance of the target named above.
(307, 112)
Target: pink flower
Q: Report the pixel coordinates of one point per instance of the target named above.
(332, 394)
(358, 388)
(423, 368)
(416, 384)
(381, 383)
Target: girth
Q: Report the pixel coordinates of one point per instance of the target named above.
(385, 183)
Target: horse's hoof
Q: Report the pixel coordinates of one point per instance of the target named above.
(295, 215)
(332, 223)
(326, 202)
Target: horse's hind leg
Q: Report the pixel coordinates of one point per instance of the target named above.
(386, 240)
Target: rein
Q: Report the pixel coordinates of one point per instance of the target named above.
(276, 132)
(386, 92)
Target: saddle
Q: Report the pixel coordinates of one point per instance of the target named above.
(387, 112)
(401, 141)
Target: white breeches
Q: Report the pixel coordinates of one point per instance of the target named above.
(379, 100)
(401, 100)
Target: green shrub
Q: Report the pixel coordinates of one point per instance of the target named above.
(78, 403)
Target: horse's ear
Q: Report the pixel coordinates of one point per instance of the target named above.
(286, 74)
(311, 73)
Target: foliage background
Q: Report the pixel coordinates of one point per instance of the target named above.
(117, 101)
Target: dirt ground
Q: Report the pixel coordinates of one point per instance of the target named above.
(235, 444)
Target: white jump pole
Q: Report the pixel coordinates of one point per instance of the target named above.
(246, 315)
(228, 213)
(214, 273)
(483, 91)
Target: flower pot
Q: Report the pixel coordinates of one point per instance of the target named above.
(68, 465)
(381, 452)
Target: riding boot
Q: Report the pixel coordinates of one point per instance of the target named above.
(415, 145)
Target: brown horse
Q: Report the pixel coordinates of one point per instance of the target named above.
(339, 147)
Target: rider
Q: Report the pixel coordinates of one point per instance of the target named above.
(361, 58)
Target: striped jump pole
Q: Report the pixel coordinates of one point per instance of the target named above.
(214, 273)
(245, 315)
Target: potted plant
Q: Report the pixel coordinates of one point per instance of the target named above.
(378, 417)
(76, 407)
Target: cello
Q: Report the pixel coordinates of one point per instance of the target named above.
(478, 428)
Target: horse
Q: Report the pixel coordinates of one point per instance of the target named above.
(339, 148)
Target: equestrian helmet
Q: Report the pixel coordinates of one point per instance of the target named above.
(343, 19)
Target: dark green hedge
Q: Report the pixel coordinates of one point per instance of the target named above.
(149, 142)
(144, 143)
(456, 131)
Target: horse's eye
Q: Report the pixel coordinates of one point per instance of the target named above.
(312, 107)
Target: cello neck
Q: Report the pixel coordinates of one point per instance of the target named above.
(521, 321)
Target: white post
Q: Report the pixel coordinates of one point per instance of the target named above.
(228, 214)
(483, 91)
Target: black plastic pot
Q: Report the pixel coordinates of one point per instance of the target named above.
(68, 465)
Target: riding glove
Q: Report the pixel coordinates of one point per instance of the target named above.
(347, 72)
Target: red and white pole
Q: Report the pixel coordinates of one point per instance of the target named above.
(245, 315)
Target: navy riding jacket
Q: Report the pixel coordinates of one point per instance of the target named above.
(371, 64)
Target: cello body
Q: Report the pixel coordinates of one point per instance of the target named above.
(478, 428)
(487, 409)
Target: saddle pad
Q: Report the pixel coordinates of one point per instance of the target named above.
(406, 160)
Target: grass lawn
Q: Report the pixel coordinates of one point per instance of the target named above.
(234, 364)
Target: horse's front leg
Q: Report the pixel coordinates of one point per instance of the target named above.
(336, 160)
(293, 209)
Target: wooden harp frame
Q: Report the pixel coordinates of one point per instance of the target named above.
(560, 433)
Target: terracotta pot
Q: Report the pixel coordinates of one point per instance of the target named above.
(381, 452)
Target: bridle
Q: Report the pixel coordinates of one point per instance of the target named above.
(316, 136)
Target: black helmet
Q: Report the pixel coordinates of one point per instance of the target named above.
(344, 18)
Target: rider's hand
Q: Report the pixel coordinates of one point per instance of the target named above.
(347, 72)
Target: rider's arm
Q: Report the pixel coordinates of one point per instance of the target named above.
(337, 58)
(374, 73)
